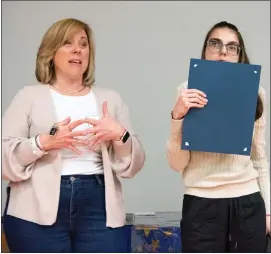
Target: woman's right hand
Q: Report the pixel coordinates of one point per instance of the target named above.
(65, 137)
(189, 98)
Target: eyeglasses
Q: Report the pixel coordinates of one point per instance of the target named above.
(216, 46)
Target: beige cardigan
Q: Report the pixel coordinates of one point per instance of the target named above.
(34, 181)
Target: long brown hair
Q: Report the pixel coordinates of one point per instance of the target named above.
(243, 57)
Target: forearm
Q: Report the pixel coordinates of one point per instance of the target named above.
(28, 152)
(18, 158)
(17, 148)
(127, 159)
(258, 155)
(122, 149)
(264, 182)
(178, 159)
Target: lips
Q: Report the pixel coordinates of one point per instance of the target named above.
(75, 61)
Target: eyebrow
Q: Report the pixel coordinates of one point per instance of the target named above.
(230, 42)
(83, 37)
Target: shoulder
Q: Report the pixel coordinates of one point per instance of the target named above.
(29, 92)
(36, 88)
(262, 92)
(32, 89)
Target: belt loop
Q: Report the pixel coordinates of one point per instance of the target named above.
(99, 179)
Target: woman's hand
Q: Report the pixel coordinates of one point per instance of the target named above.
(65, 137)
(104, 129)
(189, 98)
(268, 224)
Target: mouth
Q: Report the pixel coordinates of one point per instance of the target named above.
(75, 61)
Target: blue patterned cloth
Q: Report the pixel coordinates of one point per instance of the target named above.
(159, 233)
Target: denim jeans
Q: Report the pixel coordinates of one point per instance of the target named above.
(80, 224)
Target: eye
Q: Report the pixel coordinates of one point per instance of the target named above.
(232, 47)
(67, 42)
(83, 44)
(214, 44)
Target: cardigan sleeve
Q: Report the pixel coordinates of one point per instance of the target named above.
(17, 154)
(126, 159)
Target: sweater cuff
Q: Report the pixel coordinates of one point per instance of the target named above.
(28, 152)
(176, 127)
(123, 149)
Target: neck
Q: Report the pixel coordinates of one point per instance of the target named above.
(68, 84)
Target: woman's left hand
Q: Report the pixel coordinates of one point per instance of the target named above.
(107, 128)
(268, 224)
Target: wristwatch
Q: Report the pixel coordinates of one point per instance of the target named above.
(53, 130)
(125, 137)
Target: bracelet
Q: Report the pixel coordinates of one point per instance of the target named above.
(35, 149)
(37, 140)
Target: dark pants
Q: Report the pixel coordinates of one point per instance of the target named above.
(223, 225)
(80, 225)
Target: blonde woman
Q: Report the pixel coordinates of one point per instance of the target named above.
(65, 145)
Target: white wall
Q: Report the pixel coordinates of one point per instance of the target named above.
(143, 51)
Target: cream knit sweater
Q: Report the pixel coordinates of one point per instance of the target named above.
(214, 175)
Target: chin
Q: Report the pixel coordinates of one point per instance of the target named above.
(74, 75)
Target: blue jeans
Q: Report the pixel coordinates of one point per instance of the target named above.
(80, 224)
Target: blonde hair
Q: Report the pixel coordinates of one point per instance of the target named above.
(52, 40)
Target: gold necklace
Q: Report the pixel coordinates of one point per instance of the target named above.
(67, 91)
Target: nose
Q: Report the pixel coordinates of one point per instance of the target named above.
(223, 50)
(76, 49)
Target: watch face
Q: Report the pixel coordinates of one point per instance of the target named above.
(125, 137)
(53, 130)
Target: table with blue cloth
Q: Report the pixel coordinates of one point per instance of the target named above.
(155, 233)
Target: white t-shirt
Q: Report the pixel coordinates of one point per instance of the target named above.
(78, 107)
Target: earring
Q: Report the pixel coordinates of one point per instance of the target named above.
(51, 64)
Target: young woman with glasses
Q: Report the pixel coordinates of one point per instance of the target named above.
(226, 206)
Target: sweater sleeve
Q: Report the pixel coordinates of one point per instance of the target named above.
(178, 159)
(258, 155)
